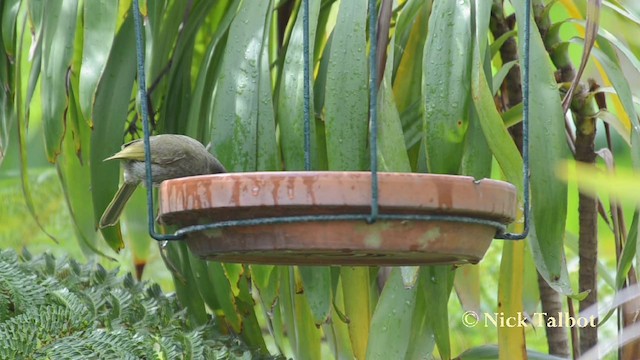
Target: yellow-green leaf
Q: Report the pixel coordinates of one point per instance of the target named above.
(357, 308)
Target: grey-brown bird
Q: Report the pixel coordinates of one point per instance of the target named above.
(172, 156)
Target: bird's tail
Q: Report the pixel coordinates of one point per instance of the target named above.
(112, 212)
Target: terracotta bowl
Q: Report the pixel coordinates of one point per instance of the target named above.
(234, 196)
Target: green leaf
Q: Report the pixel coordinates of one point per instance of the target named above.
(407, 57)
(422, 340)
(109, 115)
(445, 85)
(199, 112)
(629, 252)
(137, 228)
(308, 335)
(622, 11)
(467, 284)
(320, 83)
(317, 289)
(436, 282)
(609, 60)
(24, 177)
(204, 284)
(58, 34)
(239, 280)
(410, 25)
(178, 96)
(164, 19)
(8, 21)
(242, 121)
(499, 77)
(497, 44)
(7, 120)
(74, 173)
(34, 12)
(476, 157)
(482, 17)
(392, 319)
(287, 291)
(606, 37)
(513, 115)
(176, 102)
(548, 144)
(591, 30)
(290, 95)
(346, 92)
(99, 27)
(184, 281)
(495, 132)
(392, 153)
(11, 113)
(612, 120)
(224, 295)
(337, 331)
(265, 278)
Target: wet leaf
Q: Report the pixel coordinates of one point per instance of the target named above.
(445, 85)
(242, 120)
(290, 95)
(391, 320)
(346, 91)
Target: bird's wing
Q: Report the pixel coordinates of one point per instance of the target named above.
(174, 148)
(133, 150)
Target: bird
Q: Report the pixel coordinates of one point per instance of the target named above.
(172, 156)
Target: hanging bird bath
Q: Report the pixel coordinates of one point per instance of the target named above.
(337, 218)
(464, 211)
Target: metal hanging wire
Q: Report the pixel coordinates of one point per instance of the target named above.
(374, 214)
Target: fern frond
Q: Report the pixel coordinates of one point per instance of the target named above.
(60, 309)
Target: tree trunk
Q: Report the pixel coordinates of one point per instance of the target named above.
(551, 303)
(588, 235)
